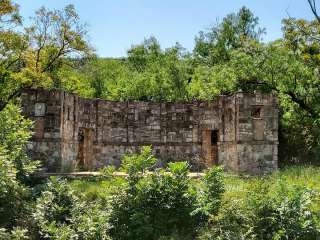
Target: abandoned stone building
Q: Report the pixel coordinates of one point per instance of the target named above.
(238, 131)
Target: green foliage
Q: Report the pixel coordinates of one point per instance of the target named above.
(285, 214)
(15, 166)
(136, 164)
(97, 77)
(12, 193)
(34, 56)
(148, 73)
(163, 203)
(159, 205)
(98, 189)
(15, 131)
(280, 204)
(55, 204)
(108, 171)
(159, 75)
(213, 47)
(213, 190)
(275, 207)
(231, 223)
(210, 82)
(267, 213)
(59, 214)
(15, 234)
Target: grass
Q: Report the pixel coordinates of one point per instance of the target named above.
(96, 188)
(306, 177)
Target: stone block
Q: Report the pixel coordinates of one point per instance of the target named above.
(39, 109)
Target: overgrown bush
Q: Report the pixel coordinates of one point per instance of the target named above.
(212, 191)
(163, 204)
(12, 194)
(15, 131)
(267, 213)
(283, 214)
(15, 234)
(135, 165)
(231, 223)
(15, 167)
(59, 214)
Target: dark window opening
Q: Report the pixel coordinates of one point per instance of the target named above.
(86, 109)
(81, 135)
(214, 137)
(229, 114)
(68, 113)
(50, 122)
(256, 112)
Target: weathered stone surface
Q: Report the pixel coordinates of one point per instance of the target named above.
(238, 131)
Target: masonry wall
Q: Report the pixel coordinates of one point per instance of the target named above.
(173, 129)
(44, 108)
(89, 133)
(257, 135)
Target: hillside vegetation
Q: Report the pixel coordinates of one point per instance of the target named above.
(52, 51)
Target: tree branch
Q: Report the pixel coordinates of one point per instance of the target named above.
(312, 4)
(53, 59)
(15, 94)
(302, 104)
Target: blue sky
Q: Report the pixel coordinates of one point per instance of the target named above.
(115, 25)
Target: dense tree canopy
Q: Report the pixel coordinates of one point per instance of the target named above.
(32, 57)
(213, 47)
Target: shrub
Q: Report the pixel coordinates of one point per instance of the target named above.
(231, 223)
(15, 131)
(283, 214)
(15, 167)
(135, 165)
(12, 193)
(15, 234)
(158, 205)
(268, 212)
(60, 215)
(213, 191)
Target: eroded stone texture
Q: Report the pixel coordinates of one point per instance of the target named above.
(238, 131)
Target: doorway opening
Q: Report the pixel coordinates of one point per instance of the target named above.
(210, 139)
(214, 137)
(85, 151)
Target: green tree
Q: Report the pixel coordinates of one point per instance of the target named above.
(288, 66)
(159, 74)
(213, 46)
(33, 58)
(12, 46)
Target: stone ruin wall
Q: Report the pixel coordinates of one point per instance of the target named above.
(256, 133)
(89, 133)
(44, 108)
